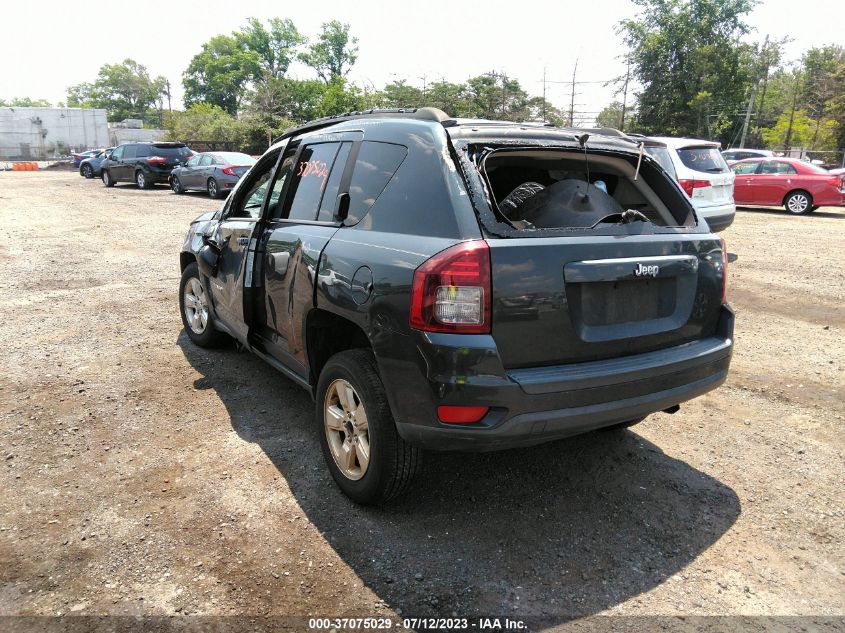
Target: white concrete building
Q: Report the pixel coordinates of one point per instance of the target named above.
(42, 133)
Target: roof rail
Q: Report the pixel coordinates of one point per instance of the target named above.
(422, 114)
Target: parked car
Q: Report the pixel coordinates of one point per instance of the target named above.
(460, 285)
(92, 166)
(705, 177)
(733, 155)
(214, 172)
(797, 185)
(145, 164)
(78, 157)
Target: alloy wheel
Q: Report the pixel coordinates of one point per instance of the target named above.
(196, 305)
(798, 203)
(212, 188)
(347, 429)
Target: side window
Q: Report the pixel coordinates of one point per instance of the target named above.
(375, 166)
(142, 150)
(309, 179)
(329, 202)
(117, 153)
(274, 208)
(129, 151)
(745, 168)
(205, 160)
(192, 162)
(769, 167)
(785, 168)
(250, 196)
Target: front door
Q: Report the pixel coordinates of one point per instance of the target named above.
(188, 173)
(298, 229)
(232, 285)
(744, 182)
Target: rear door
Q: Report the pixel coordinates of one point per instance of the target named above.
(234, 237)
(300, 224)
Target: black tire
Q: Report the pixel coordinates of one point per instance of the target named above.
(621, 426)
(813, 208)
(86, 171)
(108, 181)
(213, 189)
(176, 185)
(392, 462)
(209, 337)
(142, 180)
(798, 202)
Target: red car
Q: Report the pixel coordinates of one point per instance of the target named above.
(797, 185)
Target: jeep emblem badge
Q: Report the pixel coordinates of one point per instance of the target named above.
(646, 271)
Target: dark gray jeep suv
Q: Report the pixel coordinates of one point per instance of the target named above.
(450, 284)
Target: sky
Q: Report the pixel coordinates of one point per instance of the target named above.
(54, 44)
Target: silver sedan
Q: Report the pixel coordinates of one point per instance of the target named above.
(213, 172)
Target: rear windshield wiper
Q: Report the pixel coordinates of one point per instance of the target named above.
(626, 217)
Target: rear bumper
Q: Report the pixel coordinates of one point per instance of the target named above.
(718, 218)
(531, 406)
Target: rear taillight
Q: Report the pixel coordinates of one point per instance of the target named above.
(451, 291)
(691, 185)
(229, 170)
(836, 181)
(724, 271)
(156, 160)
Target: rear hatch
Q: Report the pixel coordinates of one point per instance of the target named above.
(709, 180)
(568, 299)
(642, 277)
(173, 155)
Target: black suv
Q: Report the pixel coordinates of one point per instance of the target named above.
(460, 285)
(145, 164)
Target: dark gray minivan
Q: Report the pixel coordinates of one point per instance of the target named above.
(145, 163)
(449, 284)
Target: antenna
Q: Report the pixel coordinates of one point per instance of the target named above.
(582, 139)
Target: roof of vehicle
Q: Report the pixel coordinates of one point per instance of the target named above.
(474, 130)
(762, 152)
(159, 143)
(680, 143)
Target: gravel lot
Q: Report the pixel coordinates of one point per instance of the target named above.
(143, 476)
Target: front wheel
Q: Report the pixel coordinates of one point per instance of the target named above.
(798, 202)
(367, 458)
(176, 185)
(194, 306)
(85, 171)
(108, 181)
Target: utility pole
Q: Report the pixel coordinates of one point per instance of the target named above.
(504, 93)
(572, 97)
(792, 112)
(625, 96)
(768, 62)
(424, 78)
(544, 94)
(747, 117)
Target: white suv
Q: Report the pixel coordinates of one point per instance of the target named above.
(703, 173)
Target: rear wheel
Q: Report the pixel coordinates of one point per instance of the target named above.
(367, 458)
(798, 202)
(85, 171)
(176, 185)
(213, 188)
(108, 181)
(141, 180)
(194, 306)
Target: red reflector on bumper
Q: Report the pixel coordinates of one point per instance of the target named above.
(461, 415)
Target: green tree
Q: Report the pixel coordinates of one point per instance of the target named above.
(25, 102)
(288, 99)
(276, 46)
(334, 53)
(689, 57)
(125, 90)
(611, 116)
(399, 94)
(221, 73)
(801, 130)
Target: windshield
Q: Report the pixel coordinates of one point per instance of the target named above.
(706, 159)
(171, 151)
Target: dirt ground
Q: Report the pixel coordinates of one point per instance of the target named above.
(140, 475)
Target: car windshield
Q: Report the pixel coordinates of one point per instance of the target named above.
(170, 151)
(703, 159)
(236, 158)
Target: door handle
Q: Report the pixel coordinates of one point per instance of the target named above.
(277, 264)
